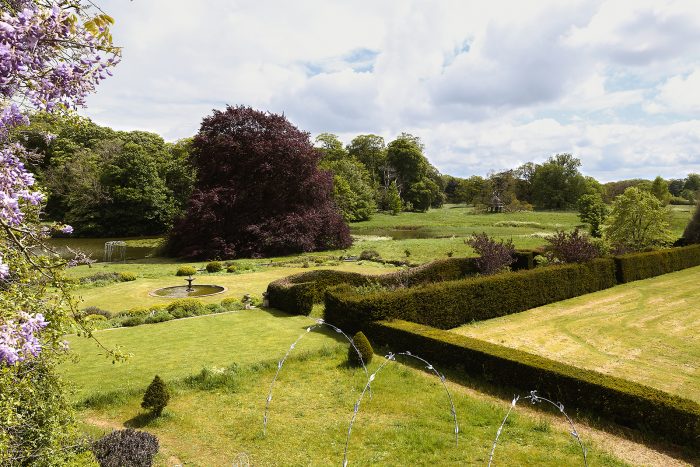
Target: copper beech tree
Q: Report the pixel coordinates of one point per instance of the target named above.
(259, 191)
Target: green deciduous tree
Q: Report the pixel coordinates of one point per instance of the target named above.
(370, 150)
(593, 211)
(659, 188)
(558, 184)
(352, 189)
(331, 147)
(638, 221)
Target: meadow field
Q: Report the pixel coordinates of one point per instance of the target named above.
(644, 331)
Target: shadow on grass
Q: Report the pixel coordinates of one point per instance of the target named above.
(141, 420)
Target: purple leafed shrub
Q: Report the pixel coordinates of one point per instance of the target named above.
(259, 191)
(493, 256)
(126, 448)
(573, 247)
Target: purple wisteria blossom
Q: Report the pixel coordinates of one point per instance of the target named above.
(67, 229)
(48, 61)
(19, 339)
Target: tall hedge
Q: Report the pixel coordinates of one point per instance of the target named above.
(450, 304)
(624, 402)
(297, 293)
(638, 266)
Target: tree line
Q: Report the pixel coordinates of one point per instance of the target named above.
(116, 183)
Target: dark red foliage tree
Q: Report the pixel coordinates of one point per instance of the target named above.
(259, 191)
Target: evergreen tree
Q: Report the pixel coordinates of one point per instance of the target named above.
(393, 199)
(692, 230)
(156, 396)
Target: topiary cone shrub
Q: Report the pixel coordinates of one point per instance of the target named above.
(364, 347)
(156, 396)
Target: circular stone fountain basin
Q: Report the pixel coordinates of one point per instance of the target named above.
(180, 291)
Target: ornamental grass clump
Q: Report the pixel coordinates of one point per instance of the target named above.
(494, 257)
(156, 397)
(365, 349)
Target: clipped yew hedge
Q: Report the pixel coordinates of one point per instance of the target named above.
(297, 293)
(636, 266)
(627, 403)
(446, 305)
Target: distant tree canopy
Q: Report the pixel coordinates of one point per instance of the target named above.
(109, 183)
(558, 184)
(259, 191)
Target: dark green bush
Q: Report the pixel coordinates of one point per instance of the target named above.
(370, 255)
(622, 401)
(524, 259)
(232, 268)
(638, 266)
(365, 349)
(126, 448)
(186, 271)
(156, 397)
(127, 276)
(297, 293)
(133, 321)
(450, 304)
(691, 234)
(214, 266)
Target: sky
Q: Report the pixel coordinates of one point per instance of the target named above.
(487, 85)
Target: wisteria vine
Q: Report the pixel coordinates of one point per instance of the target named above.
(52, 55)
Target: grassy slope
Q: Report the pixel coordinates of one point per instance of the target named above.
(407, 421)
(646, 331)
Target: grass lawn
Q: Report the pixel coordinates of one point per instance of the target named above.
(158, 273)
(407, 421)
(646, 331)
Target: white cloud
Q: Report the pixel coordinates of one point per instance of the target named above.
(487, 85)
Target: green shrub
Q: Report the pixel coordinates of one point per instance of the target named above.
(638, 266)
(100, 278)
(186, 271)
(215, 378)
(158, 317)
(450, 304)
(133, 321)
(186, 307)
(523, 259)
(231, 304)
(127, 276)
(93, 310)
(365, 349)
(95, 318)
(156, 396)
(126, 448)
(141, 311)
(370, 255)
(213, 308)
(691, 234)
(214, 266)
(616, 399)
(232, 268)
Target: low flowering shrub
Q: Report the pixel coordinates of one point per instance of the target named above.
(494, 257)
(126, 448)
(573, 247)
